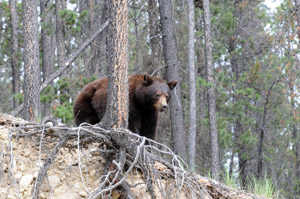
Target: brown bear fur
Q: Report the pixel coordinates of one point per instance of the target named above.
(148, 96)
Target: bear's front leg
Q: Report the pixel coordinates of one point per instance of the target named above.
(149, 124)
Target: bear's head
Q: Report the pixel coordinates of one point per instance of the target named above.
(157, 92)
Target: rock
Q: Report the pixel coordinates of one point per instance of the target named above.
(42, 196)
(83, 194)
(39, 164)
(4, 167)
(35, 175)
(54, 180)
(14, 147)
(22, 167)
(95, 153)
(68, 195)
(26, 193)
(14, 166)
(92, 172)
(26, 153)
(18, 175)
(25, 181)
(77, 186)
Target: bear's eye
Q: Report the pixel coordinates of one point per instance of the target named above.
(157, 95)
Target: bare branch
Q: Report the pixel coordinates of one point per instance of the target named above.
(67, 64)
(46, 166)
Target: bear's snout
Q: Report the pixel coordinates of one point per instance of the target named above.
(161, 105)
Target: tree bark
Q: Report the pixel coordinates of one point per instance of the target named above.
(99, 46)
(215, 165)
(31, 59)
(60, 34)
(92, 57)
(116, 115)
(238, 128)
(154, 39)
(84, 34)
(14, 50)
(295, 129)
(262, 131)
(171, 60)
(47, 47)
(138, 63)
(192, 88)
(297, 4)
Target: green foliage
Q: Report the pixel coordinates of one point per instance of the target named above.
(47, 95)
(225, 136)
(72, 19)
(230, 180)
(73, 1)
(19, 97)
(88, 80)
(228, 20)
(65, 112)
(60, 95)
(263, 187)
(69, 16)
(84, 14)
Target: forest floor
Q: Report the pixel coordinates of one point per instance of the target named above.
(21, 160)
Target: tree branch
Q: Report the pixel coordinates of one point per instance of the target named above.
(67, 64)
(72, 58)
(47, 163)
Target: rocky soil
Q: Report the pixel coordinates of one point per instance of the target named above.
(21, 159)
(72, 178)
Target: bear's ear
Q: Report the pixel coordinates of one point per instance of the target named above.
(172, 84)
(147, 80)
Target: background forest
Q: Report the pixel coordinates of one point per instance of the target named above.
(255, 68)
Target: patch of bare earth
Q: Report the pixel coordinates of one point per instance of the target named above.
(81, 170)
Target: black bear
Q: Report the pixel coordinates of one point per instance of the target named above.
(148, 96)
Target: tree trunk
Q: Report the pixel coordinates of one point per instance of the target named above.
(261, 144)
(153, 62)
(48, 47)
(99, 45)
(262, 131)
(295, 129)
(88, 27)
(31, 59)
(215, 165)
(170, 53)
(60, 34)
(84, 34)
(297, 4)
(238, 128)
(192, 88)
(116, 114)
(14, 50)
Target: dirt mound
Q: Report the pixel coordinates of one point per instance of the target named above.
(22, 158)
(76, 170)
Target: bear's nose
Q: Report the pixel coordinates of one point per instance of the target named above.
(164, 106)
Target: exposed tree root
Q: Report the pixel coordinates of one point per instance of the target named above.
(164, 174)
